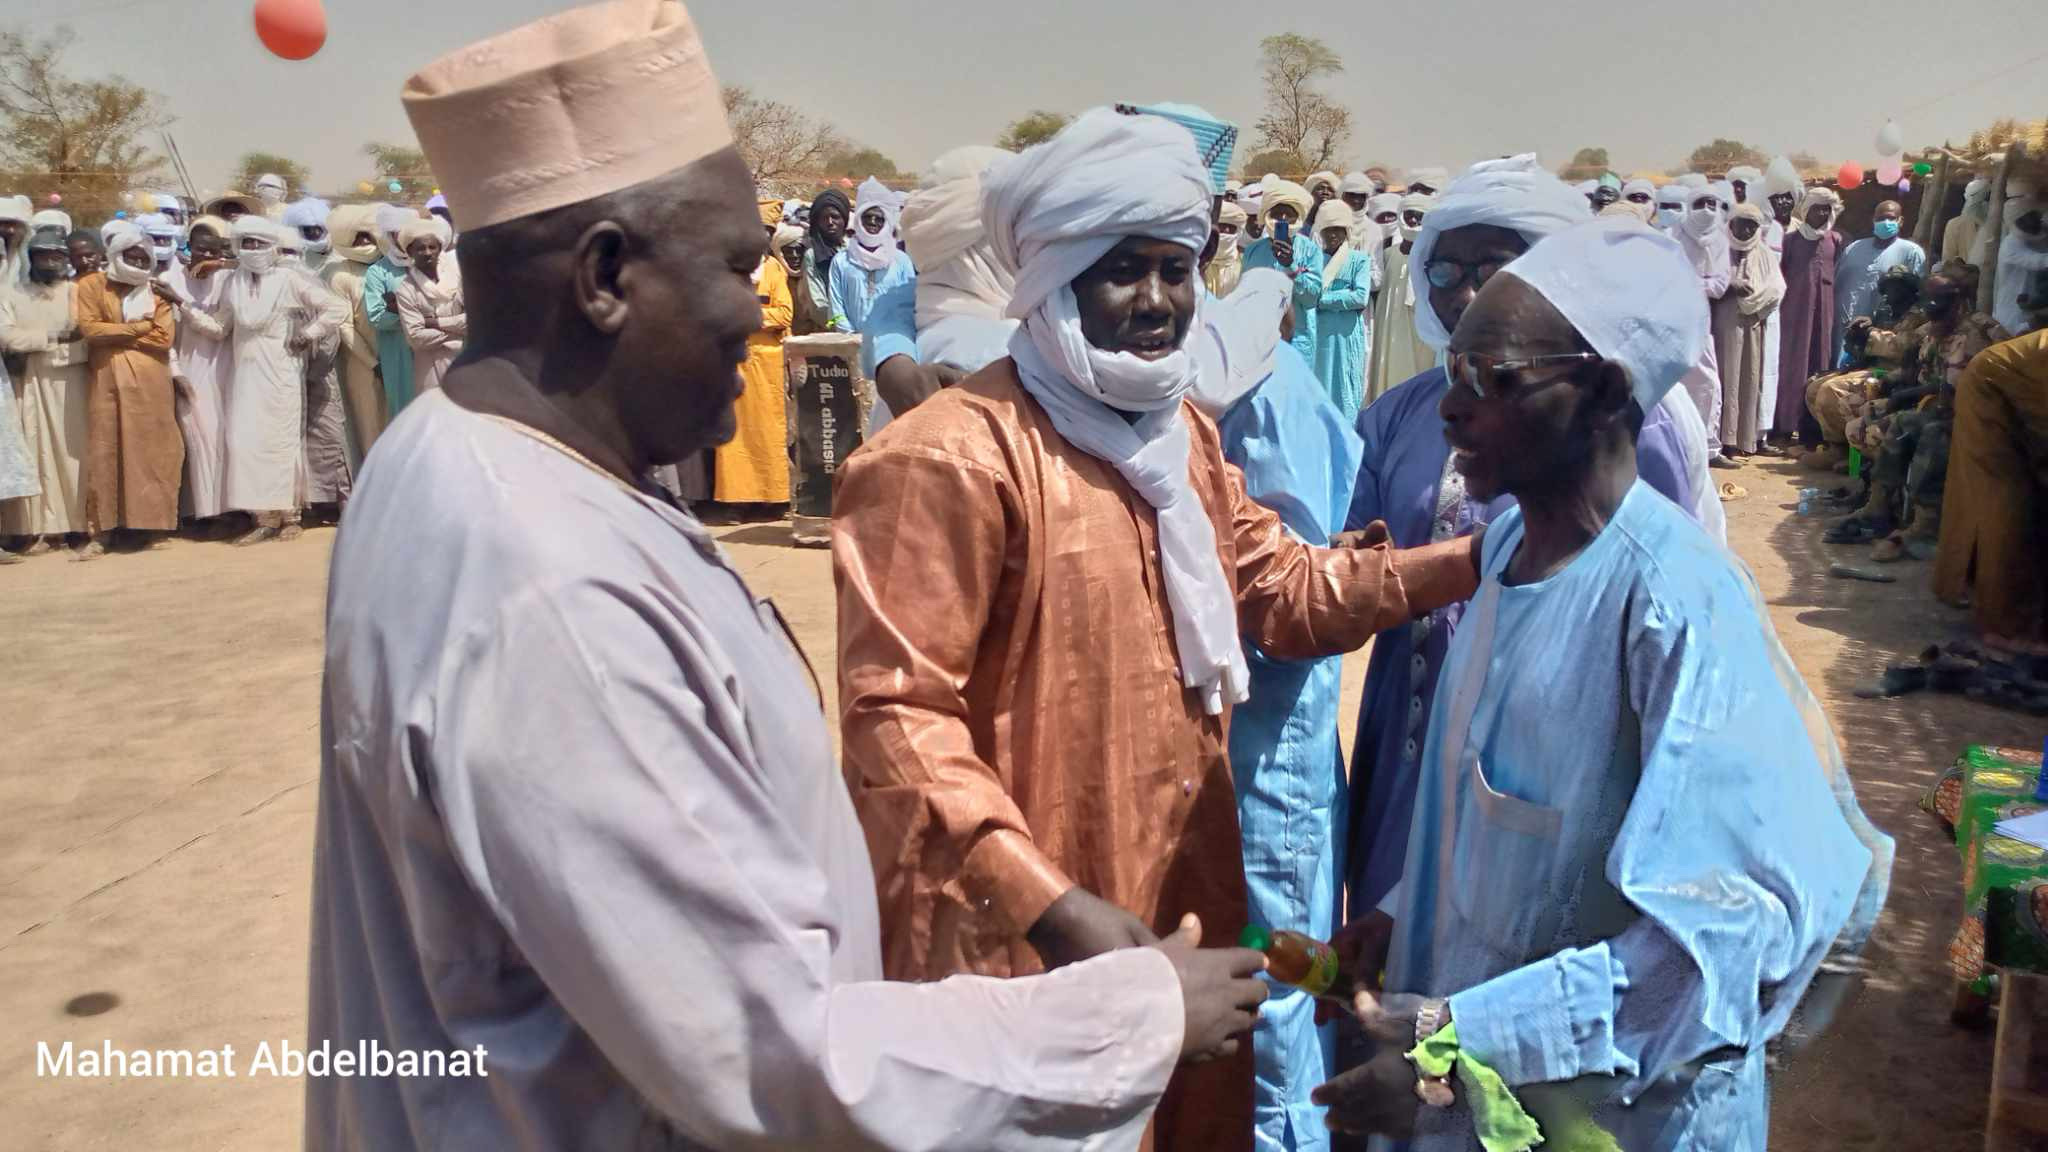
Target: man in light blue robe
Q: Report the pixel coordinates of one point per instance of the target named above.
(1864, 263)
(1633, 845)
(1344, 310)
(1286, 202)
(1299, 456)
(871, 263)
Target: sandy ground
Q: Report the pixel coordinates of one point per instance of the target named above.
(158, 767)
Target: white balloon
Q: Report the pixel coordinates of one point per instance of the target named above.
(1890, 141)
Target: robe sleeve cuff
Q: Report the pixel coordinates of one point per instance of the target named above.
(1436, 575)
(1548, 1021)
(1007, 875)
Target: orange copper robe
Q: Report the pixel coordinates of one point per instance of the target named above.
(1012, 714)
(135, 455)
(1994, 512)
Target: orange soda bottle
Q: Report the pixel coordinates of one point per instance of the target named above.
(1302, 961)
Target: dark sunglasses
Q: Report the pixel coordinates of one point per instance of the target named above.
(1448, 274)
(1482, 374)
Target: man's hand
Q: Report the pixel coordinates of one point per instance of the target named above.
(1283, 251)
(1740, 290)
(1361, 949)
(1081, 924)
(1219, 990)
(1373, 535)
(903, 383)
(432, 321)
(1376, 1098)
(298, 345)
(391, 301)
(165, 292)
(204, 269)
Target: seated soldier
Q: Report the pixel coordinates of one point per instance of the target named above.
(1874, 348)
(1906, 434)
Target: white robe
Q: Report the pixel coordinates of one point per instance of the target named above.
(50, 396)
(434, 347)
(578, 804)
(201, 365)
(266, 398)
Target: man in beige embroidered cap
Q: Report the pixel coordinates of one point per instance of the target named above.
(579, 822)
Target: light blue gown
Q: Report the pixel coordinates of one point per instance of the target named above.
(1628, 871)
(394, 355)
(1857, 271)
(1308, 286)
(1299, 458)
(1344, 333)
(855, 289)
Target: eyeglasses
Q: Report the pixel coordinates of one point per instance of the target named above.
(1448, 274)
(1482, 374)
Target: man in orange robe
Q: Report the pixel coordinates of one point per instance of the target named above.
(1043, 576)
(135, 455)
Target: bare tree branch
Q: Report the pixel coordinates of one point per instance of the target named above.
(76, 138)
(781, 145)
(1298, 119)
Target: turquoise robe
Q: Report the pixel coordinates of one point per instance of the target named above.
(394, 355)
(1344, 333)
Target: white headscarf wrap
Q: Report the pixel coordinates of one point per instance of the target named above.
(1629, 292)
(1751, 179)
(1328, 179)
(871, 250)
(1435, 179)
(1667, 219)
(1414, 202)
(1052, 213)
(391, 218)
(310, 212)
(1229, 258)
(51, 218)
(785, 235)
(446, 283)
(1278, 192)
(963, 286)
(270, 188)
(1624, 206)
(1781, 177)
(1356, 184)
(1704, 236)
(137, 302)
(163, 236)
(2020, 256)
(14, 262)
(1337, 214)
(1238, 339)
(1517, 194)
(1813, 196)
(1976, 200)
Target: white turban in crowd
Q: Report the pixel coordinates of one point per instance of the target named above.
(419, 228)
(1751, 179)
(163, 236)
(1724, 191)
(255, 226)
(134, 305)
(1356, 184)
(1672, 200)
(1645, 212)
(1231, 188)
(785, 235)
(1781, 177)
(1229, 255)
(1413, 202)
(342, 225)
(1239, 338)
(1321, 180)
(794, 211)
(1629, 292)
(14, 262)
(270, 189)
(1704, 235)
(1433, 179)
(1232, 214)
(963, 286)
(1818, 195)
(1382, 203)
(115, 227)
(1976, 199)
(310, 212)
(2020, 256)
(51, 218)
(1517, 194)
(391, 218)
(1694, 180)
(874, 251)
(1286, 192)
(1336, 214)
(1053, 212)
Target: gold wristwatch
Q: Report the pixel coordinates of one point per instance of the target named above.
(1434, 1091)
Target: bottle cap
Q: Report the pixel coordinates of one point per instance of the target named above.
(1254, 937)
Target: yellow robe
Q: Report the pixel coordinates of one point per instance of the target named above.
(753, 467)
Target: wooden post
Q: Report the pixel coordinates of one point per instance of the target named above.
(1933, 199)
(1987, 276)
(2019, 1067)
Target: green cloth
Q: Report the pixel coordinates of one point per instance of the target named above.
(2000, 874)
(1497, 1117)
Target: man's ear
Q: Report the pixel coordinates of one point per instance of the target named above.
(1611, 394)
(600, 256)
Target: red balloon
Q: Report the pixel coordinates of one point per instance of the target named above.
(294, 29)
(1851, 175)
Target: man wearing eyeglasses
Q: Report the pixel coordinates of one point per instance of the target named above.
(1633, 848)
(1481, 223)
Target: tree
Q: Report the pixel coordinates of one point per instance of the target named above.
(1717, 158)
(1298, 119)
(1278, 161)
(255, 164)
(859, 164)
(406, 165)
(1807, 164)
(1033, 128)
(781, 146)
(77, 138)
(1587, 164)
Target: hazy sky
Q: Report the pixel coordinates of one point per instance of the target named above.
(1436, 82)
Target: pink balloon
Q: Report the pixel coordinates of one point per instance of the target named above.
(56, 199)
(1890, 171)
(294, 29)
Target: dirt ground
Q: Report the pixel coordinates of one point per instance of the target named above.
(158, 768)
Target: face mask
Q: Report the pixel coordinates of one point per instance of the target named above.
(270, 195)
(1226, 244)
(258, 260)
(1669, 218)
(120, 271)
(1885, 229)
(1701, 222)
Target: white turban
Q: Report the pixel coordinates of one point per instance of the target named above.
(1384, 202)
(251, 225)
(1286, 192)
(1357, 184)
(1232, 214)
(308, 212)
(1646, 212)
(16, 208)
(1751, 178)
(1238, 339)
(1414, 202)
(391, 218)
(270, 187)
(963, 286)
(1432, 178)
(1252, 200)
(1516, 194)
(1694, 180)
(51, 218)
(1977, 199)
(1051, 213)
(1334, 214)
(1781, 177)
(135, 306)
(1328, 179)
(419, 228)
(1630, 293)
(1639, 185)
(873, 251)
(1724, 191)
(115, 227)
(1821, 195)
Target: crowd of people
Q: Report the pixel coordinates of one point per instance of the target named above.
(223, 372)
(1152, 449)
